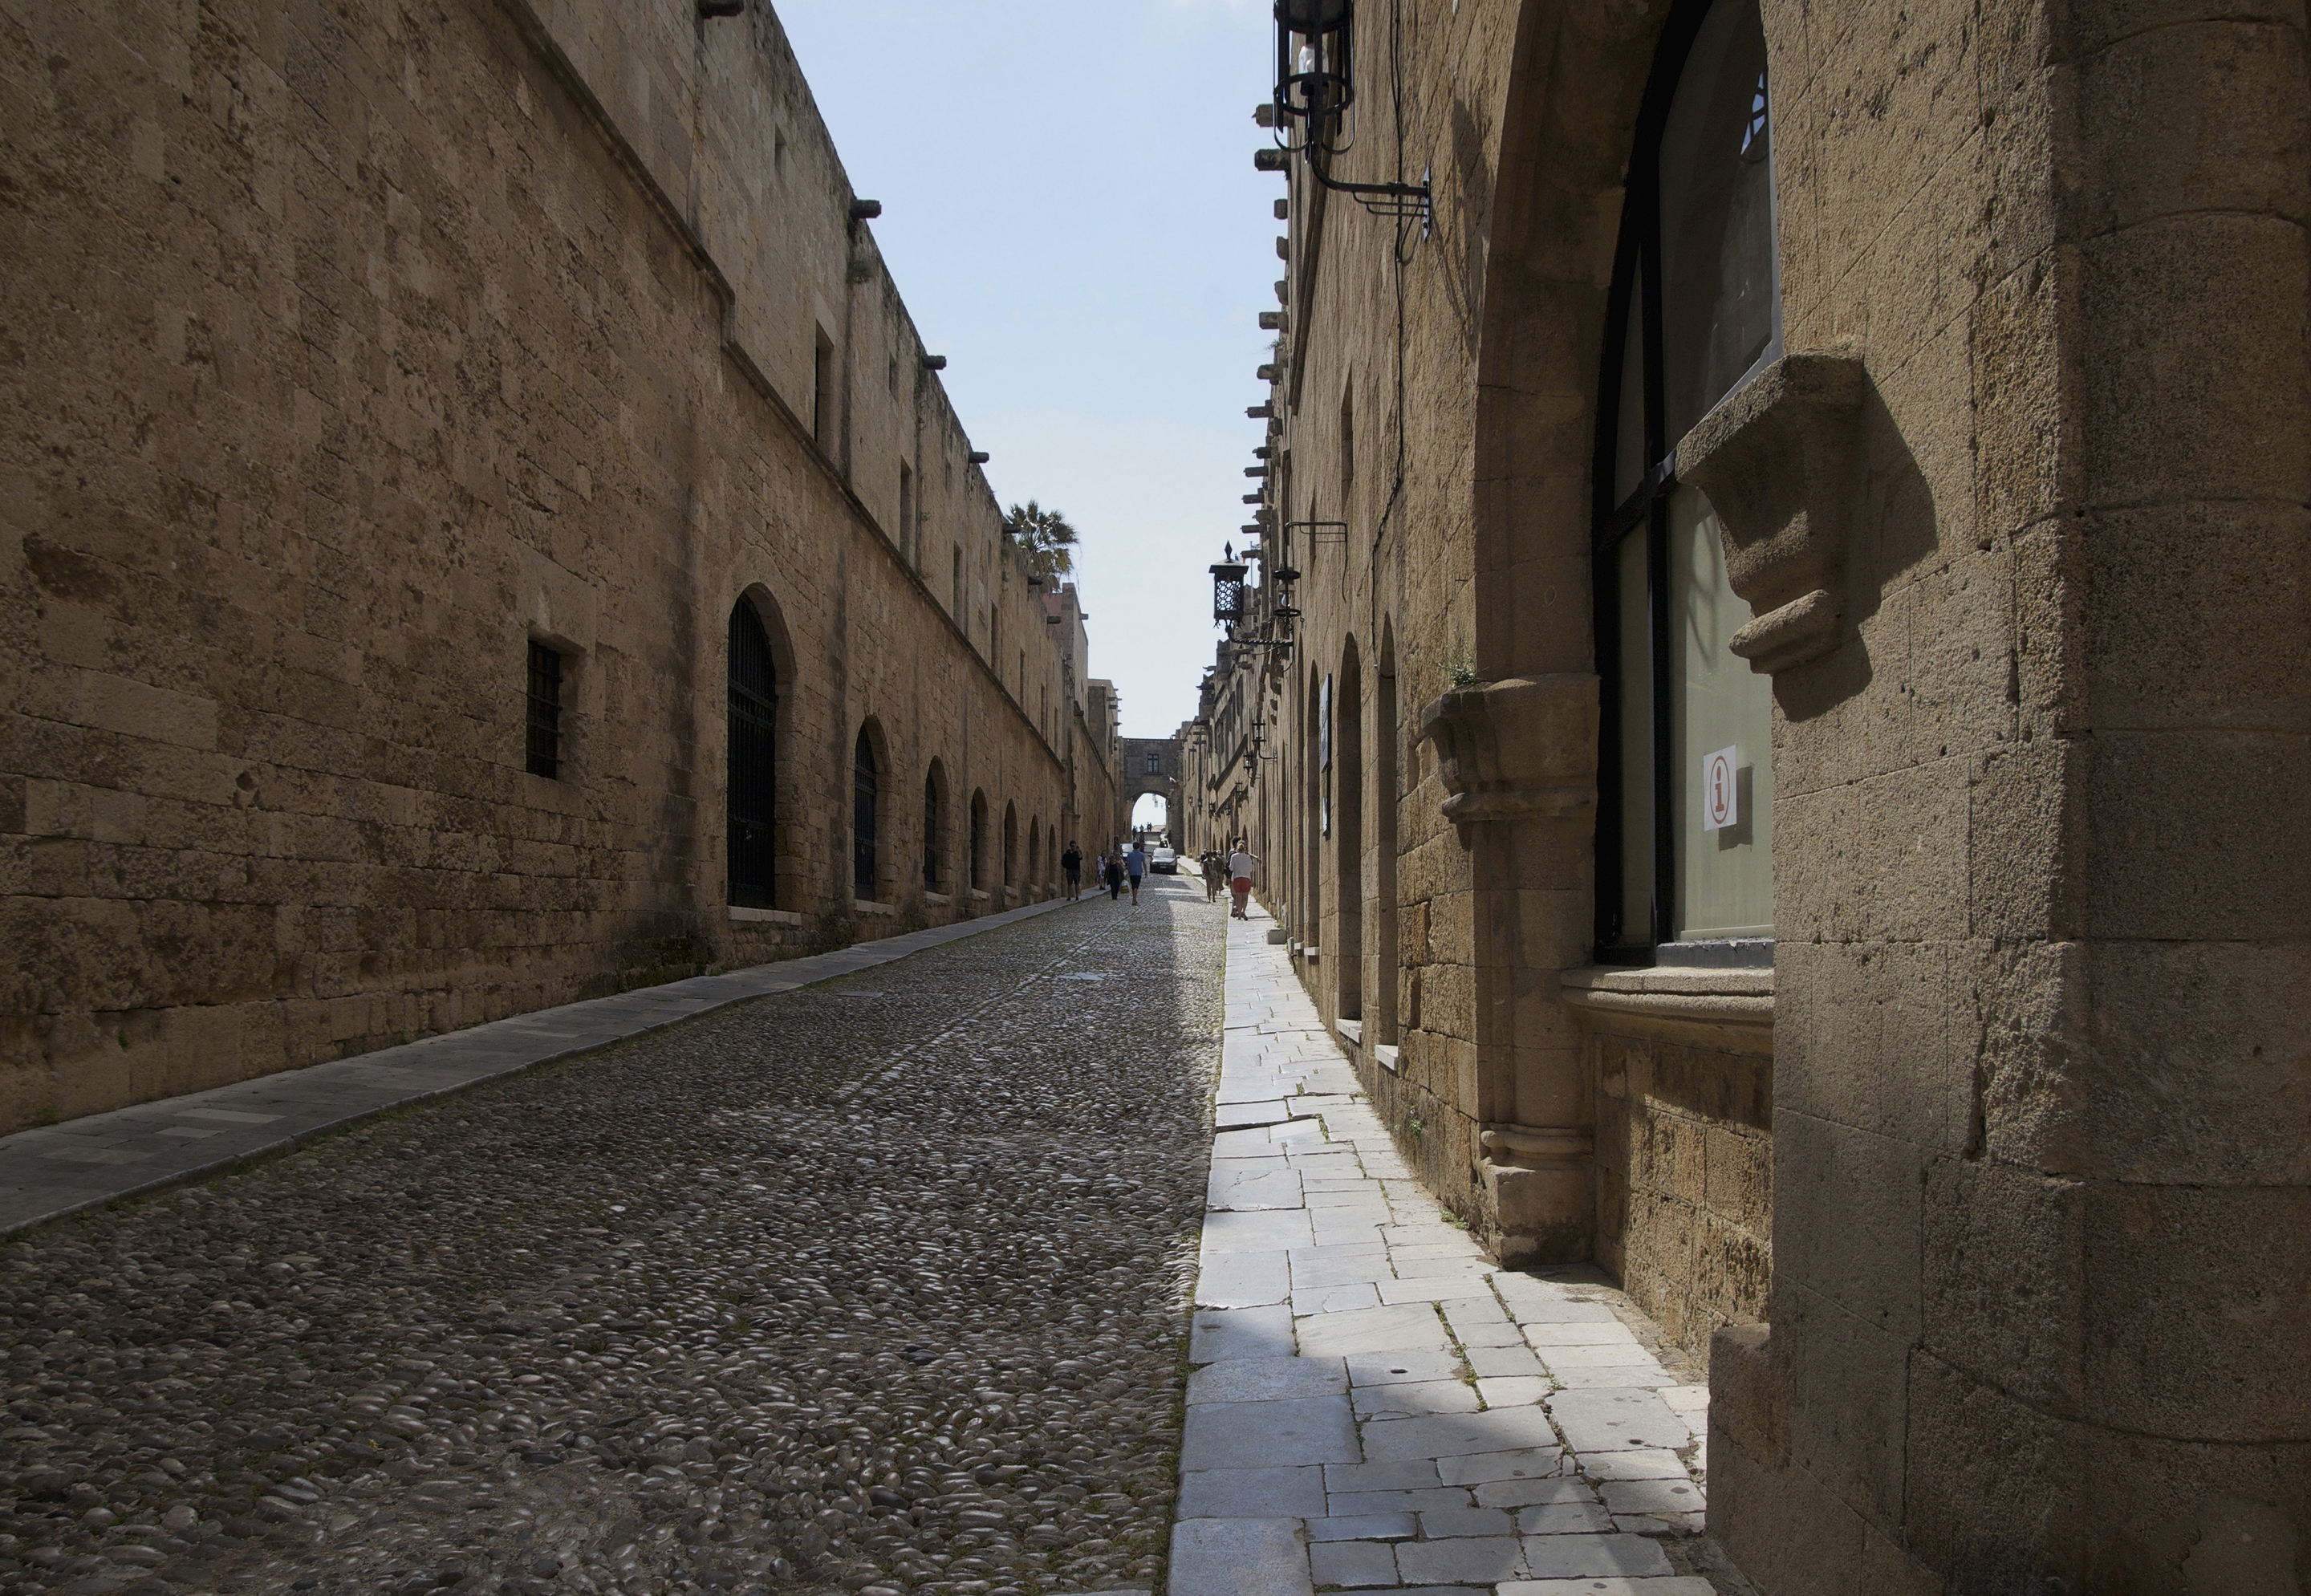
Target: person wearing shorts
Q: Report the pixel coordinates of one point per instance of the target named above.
(1135, 861)
(1071, 863)
(1240, 862)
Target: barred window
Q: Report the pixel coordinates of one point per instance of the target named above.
(750, 798)
(544, 711)
(865, 798)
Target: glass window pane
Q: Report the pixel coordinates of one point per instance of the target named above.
(1721, 293)
(1724, 876)
(1629, 460)
(1633, 715)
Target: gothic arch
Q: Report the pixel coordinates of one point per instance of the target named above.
(938, 871)
(871, 830)
(976, 851)
(1540, 276)
(759, 680)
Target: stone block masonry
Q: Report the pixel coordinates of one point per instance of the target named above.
(355, 354)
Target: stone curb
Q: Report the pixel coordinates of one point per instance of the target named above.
(319, 1099)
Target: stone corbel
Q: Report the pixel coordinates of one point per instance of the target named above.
(1515, 748)
(1780, 461)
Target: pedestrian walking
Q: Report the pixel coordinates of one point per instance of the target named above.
(1240, 862)
(1071, 862)
(1135, 861)
(1213, 866)
(1114, 872)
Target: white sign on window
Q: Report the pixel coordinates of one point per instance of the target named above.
(1721, 800)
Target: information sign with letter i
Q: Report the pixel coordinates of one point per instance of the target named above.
(1721, 800)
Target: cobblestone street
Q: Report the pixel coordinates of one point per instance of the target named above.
(880, 1284)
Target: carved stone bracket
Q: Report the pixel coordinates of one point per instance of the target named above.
(1521, 747)
(1780, 461)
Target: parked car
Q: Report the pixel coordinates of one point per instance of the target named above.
(1164, 860)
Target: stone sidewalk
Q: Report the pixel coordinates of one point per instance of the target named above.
(1374, 1406)
(55, 1170)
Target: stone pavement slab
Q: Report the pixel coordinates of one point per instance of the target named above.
(56, 1170)
(1250, 1556)
(1278, 1431)
(1376, 1406)
(1257, 1379)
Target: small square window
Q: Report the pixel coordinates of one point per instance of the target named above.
(544, 711)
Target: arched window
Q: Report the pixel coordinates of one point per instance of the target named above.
(1685, 834)
(931, 808)
(978, 842)
(750, 795)
(864, 795)
(1010, 844)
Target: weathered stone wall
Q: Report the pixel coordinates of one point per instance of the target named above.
(2037, 1066)
(349, 350)
(1684, 1164)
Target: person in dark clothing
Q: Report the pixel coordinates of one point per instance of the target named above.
(1071, 863)
(1114, 877)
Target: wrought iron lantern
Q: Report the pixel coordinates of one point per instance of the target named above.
(1282, 577)
(1227, 592)
(1315, 94)
(1315, 45)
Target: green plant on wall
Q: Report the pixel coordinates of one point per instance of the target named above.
(1043, 536)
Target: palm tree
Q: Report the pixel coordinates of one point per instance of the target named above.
(1044, 536)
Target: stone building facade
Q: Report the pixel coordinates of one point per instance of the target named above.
(1788, 768)
(480, 530)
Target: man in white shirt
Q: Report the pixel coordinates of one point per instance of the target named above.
(1240, 862)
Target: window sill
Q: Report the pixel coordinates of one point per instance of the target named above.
(1386, 1057)
(740, 916)
(868, 906)
(1734, 1005)
(978, 896)
(1350, 1031)
(1311, 954)
(932, 897)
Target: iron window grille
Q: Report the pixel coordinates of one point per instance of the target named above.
(751, 797)
(545, 695)
(930, 834)
(863, 792)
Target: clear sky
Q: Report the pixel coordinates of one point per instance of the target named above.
(1071, 214)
